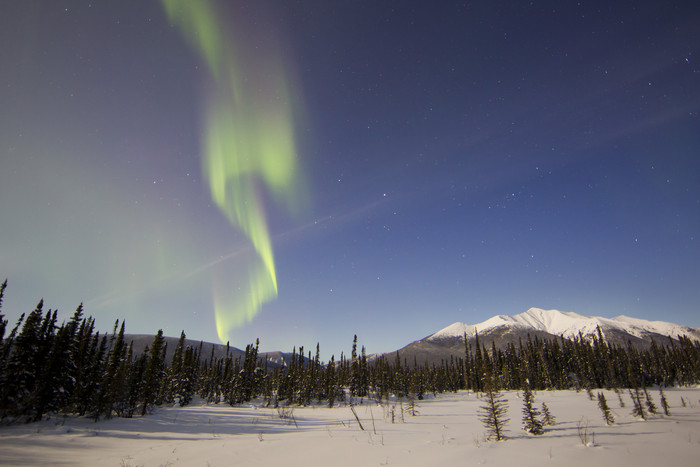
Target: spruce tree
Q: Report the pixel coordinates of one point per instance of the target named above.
(6, 378)
(589, 391)
(23, 365)
(603, 405)
(664, 402)
(547, 417)
(331, 383)
(94, 396)
(619, 397)
(3, 321)
(84, 341)
(112, 383)
(651, 407)
(493, 414)
(364, 374)
(188, 380)
(153, 373)
(354, 370)
(121, 380)
(135, 384)
(531, 422)
(638, 410)
(176, 373)
(6, 346)
(56, 382)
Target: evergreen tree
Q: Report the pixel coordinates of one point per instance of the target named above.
(6, 346)
(56, 382)
(23, 365)
(135, 384)
(354, 370)
(189, 376)
(638, 410)
(331, 382)
(3, 321)
(547, 417)
(153, 373)
(363, 380)
(480, 373)
(531, 422)
(603, 405)
(589, 391)
(317, 376)
(93, 397)
(651, 407)
(176, 373)
(493, 414)
(6, 382)
(112, 381)
(245, 386)
(121, 381)
(84, 342)
(664, 402)
(619, 397)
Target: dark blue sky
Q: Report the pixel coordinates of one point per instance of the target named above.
(460, 160)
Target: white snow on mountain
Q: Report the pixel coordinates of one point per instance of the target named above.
(566, 324)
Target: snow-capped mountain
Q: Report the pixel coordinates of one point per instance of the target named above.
(568, 324)
(501, 330)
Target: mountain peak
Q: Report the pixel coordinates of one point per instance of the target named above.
(503, 330)
(565, 323)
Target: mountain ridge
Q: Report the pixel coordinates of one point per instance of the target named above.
(208, 349)
(499, 331)
(567, 324)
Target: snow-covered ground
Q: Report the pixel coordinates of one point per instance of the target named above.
(446, 431)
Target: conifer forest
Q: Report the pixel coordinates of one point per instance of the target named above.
(49, 365)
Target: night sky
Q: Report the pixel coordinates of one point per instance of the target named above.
(448, 161)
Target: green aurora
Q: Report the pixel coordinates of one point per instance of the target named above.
(249, 143)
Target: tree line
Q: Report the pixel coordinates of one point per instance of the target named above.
(70, 368)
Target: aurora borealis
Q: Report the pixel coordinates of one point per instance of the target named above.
(249, 138)
(305, 171)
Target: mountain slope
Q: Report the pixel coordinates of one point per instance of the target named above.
(208, 349)
(501, 330)
(568, 324)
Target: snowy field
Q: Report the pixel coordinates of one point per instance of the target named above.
(446, 431)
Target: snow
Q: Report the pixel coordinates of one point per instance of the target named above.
(660, 327)
(567, 324)
(446, 431)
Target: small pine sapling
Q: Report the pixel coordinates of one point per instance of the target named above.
(619, 396)
(493, 415)
(664, 403)
(603, 405)
(531, 422)
(589, 392)
(651, 407)
(412, 408)
(547, 417)
(638, 410)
